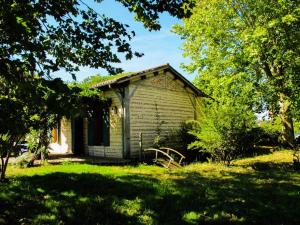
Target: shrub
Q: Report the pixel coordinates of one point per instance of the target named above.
(269, 133)
(224, 132)
(35, 143)
(179, 139)
(158, 141)
(25, 160)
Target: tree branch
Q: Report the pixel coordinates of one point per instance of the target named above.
(267, 70)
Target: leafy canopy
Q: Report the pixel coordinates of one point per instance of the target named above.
(258, 39)
(226, 120)
(48, 35)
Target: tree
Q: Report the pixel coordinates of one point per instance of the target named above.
(260, 38)
(44, 103)
(47, 35)
(227, 119)
(15, 119)
(56, 100)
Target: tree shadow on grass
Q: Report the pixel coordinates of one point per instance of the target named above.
(268, 197)
(261, 150)
(68, 198)
(189, 198)
(272, 167)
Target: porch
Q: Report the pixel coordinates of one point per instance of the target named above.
(55, 158)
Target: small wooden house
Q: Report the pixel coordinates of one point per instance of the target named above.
(147, 102)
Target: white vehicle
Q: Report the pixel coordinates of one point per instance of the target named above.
(23, 147)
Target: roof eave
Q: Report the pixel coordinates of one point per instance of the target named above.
(121, 80)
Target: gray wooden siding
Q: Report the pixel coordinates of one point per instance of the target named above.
(158, 99)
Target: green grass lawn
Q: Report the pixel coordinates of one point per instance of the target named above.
(259, 190)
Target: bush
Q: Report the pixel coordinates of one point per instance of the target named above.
(269, 133)
(179, 139)
(25, 160)
(225, 132)
(33, 141)
(35, 144)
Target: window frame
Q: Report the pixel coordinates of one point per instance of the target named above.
(99, 126)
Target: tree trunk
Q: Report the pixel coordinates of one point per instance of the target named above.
(44, 139)
(286, 120)
(2, 168)
(4, 162)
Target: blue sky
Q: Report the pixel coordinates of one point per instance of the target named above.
(159, 47)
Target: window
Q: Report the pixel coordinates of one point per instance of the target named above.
(55, 134)
(98, 128)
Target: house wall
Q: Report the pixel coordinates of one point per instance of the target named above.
(65, 145)
(155, 102)
(159, 99)
(114, 150)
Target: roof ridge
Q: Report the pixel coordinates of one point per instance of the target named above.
(103, 83)
(125, 78)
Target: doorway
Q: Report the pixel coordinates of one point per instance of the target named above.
(77, 136)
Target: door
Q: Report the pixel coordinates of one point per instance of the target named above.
(77, 136)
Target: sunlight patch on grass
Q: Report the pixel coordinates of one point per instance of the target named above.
(134, 208)
(85, 168)
(225, 216)
(46, 218)
(69, 194)
(283, 156)
(52, 205)
(83, 199)
(215, 170)
(197, 217)
(147, 217)
(191, 217)
(128, 207)
(40, 190)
